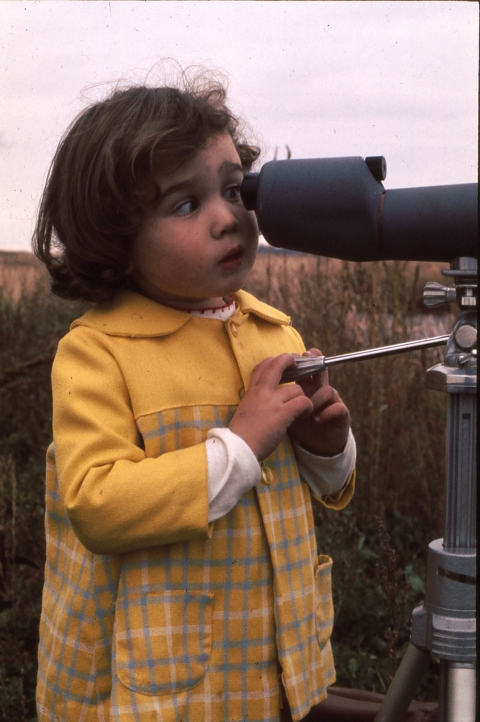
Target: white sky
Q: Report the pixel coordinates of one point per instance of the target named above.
(329, 79)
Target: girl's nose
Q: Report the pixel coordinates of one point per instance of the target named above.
(223, 219)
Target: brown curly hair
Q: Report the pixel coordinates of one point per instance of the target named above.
(102, 179)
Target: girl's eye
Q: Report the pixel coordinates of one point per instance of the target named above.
(232, 193)
(186, 208)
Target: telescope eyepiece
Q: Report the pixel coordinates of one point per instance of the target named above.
(376, 164)
(248, 191)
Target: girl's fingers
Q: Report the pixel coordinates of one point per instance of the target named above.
(290, 391)
(325, 396)
(336, 413)
(299, 405)
(315, 381)
(269, 371)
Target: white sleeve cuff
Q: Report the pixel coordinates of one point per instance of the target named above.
(326, 475)
(233, 469)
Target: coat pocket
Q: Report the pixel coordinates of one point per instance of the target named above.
(163, 640)
(323, 602)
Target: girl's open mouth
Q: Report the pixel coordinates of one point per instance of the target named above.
(233, 259)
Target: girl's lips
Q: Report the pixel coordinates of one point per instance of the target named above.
(233, 259)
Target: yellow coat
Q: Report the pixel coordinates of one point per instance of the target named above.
(150, 612)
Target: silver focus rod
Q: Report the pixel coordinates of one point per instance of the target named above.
(307, 365)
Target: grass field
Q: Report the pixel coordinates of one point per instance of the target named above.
(379, 543)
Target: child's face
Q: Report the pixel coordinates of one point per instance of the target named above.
(200, 243)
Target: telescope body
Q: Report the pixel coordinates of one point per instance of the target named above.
(335, 207)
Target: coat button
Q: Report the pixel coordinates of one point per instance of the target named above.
(267, 475)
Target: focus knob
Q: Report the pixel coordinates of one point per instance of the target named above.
(466, 336)
(434, 294)
(377, 165)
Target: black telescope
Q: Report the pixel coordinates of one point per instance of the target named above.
(338, 207)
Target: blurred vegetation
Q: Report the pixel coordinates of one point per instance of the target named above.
(379, 543)
(29, 332)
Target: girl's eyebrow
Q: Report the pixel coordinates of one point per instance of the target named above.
(180, 186)
(226, 167)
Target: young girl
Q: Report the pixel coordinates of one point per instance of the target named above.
(182, 581)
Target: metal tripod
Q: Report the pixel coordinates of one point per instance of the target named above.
(444, 626)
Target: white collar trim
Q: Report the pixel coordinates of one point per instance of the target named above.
(222, 313)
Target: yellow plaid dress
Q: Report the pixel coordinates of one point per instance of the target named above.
(149, 612)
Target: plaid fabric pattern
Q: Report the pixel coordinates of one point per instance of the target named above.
(270, 605)
(195, 630)
(76, 626)
(204, 629)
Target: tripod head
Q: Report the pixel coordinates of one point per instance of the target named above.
(461, 349)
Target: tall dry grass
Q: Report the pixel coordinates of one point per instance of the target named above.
(399, 428)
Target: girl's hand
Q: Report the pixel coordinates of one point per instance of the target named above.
(324, 430)
(267, 410)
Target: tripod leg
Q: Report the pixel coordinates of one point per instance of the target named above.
(458, 701)
(401, 691)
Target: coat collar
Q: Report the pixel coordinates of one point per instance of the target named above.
(132, 314)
